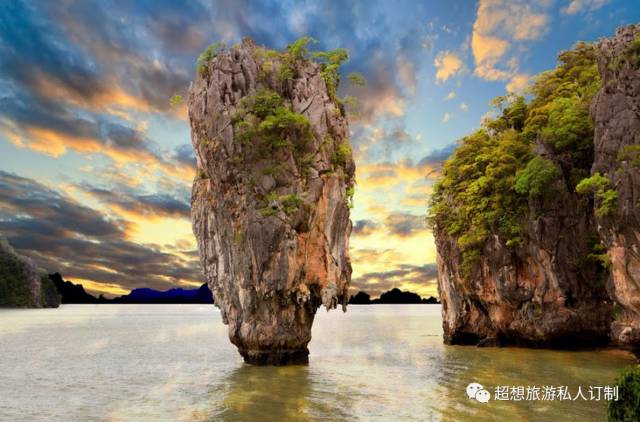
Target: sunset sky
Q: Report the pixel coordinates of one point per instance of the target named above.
(96, 166)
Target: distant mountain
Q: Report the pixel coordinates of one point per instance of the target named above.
(75, 293)
(394, 296)
(178, 295)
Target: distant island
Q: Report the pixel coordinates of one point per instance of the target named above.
(394, 296)
(72, 293)
(75, 294)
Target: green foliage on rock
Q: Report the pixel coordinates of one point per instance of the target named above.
(350, 192)
(18, 276)
(175, 100)
(627, 407)
(331, 62)
(264, 117)
(357, 79)
(634, 49)
(600, 186)
(341, 154)
(205, 57)
(536, 178)
(14, 290)
(298, 49)
(630, 154)
(289, 204)
(487, 183)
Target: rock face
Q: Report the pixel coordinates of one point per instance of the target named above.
(556, 289)
(22, 283)
(541, 296)
(616, 115)
(270, 205)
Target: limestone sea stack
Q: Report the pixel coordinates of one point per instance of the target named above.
(270, 203)
(616, 116)
(519, 257)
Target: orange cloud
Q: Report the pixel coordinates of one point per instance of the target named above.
(498, 24)
(518, 83)
(447, 64)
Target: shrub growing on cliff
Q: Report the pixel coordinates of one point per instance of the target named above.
(536, 178)
(627, 407)
(209, 53)
(341, 154)
(264, 117)
(605, 196)
(331, 62)
(630, 154)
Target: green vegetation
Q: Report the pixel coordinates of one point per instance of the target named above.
(606, 197)
(263, 117)
(14, 289)
(273, 203)
(175, 100)
(487, 183)
(536, 178)
(331, 62)
(298, 49)
(634, 49)
(631, 154)
(350, 192)
(341, 154)
(627, 407)
(205, 57)
(357, 79)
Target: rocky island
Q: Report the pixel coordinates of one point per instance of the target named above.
(270, 204)
(22, 283)
(536, 217)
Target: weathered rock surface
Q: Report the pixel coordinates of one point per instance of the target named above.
(22, 283)
(270, 206)
(616, 115)
(545, 295)
(551, 291)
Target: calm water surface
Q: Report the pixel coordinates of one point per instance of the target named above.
(174, 362)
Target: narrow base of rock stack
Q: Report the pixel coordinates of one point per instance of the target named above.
(276, 357)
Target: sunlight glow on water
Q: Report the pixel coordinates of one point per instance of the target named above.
(174, 362)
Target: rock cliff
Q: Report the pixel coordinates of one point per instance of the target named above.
(616, 115)
(543, 294)
(22, 283)
(270, 204)
(518, 253)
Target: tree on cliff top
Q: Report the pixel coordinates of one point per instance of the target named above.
(487, 182)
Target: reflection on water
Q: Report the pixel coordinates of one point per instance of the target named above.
(281, 393)
(174, 362)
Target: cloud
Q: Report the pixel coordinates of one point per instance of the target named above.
(147, 205)
(450, 96)
(498, 24)
(438, 156)
(404, 224)
(518, 83)
(61, 234)
(579, 6)
(464, 107)
(364, 227)
(411, 276)
(447, 64)
(446, 117)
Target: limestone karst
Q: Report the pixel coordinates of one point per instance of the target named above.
(270, 203)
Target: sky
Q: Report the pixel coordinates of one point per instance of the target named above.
(96, 166)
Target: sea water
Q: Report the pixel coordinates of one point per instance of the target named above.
(175, 363)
